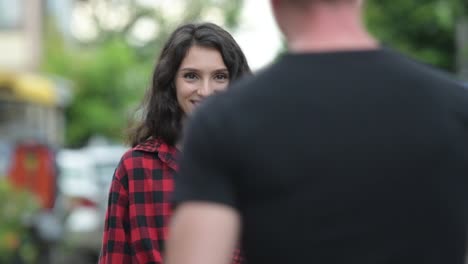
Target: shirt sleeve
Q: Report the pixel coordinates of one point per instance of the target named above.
(116, 243)
(137, 212)
(207, 168)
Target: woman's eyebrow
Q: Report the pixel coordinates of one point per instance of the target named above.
(188, 69)
(197, 70)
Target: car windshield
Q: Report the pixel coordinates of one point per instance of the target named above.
(75, 173)
(104, 172)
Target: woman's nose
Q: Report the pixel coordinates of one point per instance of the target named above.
(205, 89)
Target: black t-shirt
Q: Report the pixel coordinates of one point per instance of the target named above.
(344, 157)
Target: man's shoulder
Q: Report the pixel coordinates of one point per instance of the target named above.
(446, 82)
(232, 98)
(419, 72)
(225, 111)
(443, 86)
(420, 68)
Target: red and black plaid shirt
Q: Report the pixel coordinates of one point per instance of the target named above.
(139, 206)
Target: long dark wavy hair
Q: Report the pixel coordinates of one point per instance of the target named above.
(161, 114)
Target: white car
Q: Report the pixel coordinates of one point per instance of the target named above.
(84, 180)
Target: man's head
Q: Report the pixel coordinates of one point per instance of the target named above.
(291, 14)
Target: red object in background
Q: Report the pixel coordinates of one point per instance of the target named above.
(82, 202)
(33, 168)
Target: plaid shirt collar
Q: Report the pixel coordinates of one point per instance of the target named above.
(167, 154)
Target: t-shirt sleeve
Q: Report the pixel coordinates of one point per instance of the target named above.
(207, 167)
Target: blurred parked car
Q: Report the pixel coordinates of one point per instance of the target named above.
(31, 168)
(84, 181)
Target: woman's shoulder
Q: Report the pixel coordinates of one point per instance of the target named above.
(155, 150)
(151, 145)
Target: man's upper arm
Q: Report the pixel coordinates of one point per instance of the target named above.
(202, 233)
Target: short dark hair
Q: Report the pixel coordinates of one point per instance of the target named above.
(161, 113)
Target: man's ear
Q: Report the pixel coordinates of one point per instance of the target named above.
(275, 5)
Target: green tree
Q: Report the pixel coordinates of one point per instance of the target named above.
(111, 72)
(424, 29)
(16, 206)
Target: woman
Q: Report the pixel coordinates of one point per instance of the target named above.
(196, 61)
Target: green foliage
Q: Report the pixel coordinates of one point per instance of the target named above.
(15, 206)
(422, 29)
(110, 74)
(107, 79)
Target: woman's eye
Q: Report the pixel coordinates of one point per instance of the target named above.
(190, 76)
(221, 76)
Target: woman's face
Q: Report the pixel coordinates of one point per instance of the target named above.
(201, 73)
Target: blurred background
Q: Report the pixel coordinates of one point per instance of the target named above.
(72, 73)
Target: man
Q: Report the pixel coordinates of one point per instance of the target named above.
(341, 152)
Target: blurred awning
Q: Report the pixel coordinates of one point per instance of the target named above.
(28, 87)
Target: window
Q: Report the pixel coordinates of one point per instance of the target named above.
(11, 14)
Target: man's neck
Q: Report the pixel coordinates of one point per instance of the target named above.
(327, 30)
